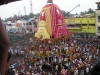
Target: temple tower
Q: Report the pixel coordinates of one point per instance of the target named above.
(51, 22)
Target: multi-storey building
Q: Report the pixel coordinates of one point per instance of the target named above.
(87, 26)
(98, 19)
(81, 26)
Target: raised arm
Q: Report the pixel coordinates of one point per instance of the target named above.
(4, 46)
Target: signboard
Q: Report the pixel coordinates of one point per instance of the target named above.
(18, 25)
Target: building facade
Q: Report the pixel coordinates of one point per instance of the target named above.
(98, 19)
(81, 26)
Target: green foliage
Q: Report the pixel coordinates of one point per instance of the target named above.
(66, 14)
(89, 11)
(15, 16)
(26, 16)
(31, 15)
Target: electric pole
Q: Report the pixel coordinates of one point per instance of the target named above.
(25, 10)
(31, 5)
(19, 13)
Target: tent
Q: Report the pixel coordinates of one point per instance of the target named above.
(29, 20)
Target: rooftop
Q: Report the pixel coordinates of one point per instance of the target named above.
(97, 2)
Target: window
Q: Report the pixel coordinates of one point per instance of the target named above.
(98, 18)
(71, 25)
(78, 25)
(98, 28)
(84, 24)
(98, 6)
(92, 25)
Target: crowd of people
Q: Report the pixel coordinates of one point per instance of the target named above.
(65, 56)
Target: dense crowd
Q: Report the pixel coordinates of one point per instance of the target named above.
(66, 56)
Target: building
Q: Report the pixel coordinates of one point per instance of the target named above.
(98, 19)
(81, 26)
(85, 26)
(21, 26)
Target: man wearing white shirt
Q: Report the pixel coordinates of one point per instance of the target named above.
(41, 61)
(30, 67)
(55, 59)
(12, 66)
(80, 61)
(32, 73)
(87, 70)
(91, 67)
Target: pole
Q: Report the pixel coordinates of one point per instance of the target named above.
(19, 13)
(25, 10)
(74, 8)
(31, 6)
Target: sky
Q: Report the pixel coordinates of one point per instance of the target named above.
(14, 7)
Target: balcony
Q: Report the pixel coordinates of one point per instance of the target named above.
(73, 27)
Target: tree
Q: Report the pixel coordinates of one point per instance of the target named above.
(82, 13)
(15, 16)
(64, 13)
(5, 20)
(76, 14)
(26, 16)
(38, 14)
(90, 11)
(31, 15)
(68, 14)
(86, 12)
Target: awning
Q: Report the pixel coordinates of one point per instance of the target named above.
(29, 20)
(12, 31)
(77, 36)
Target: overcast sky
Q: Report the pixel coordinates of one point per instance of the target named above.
(14, 7)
